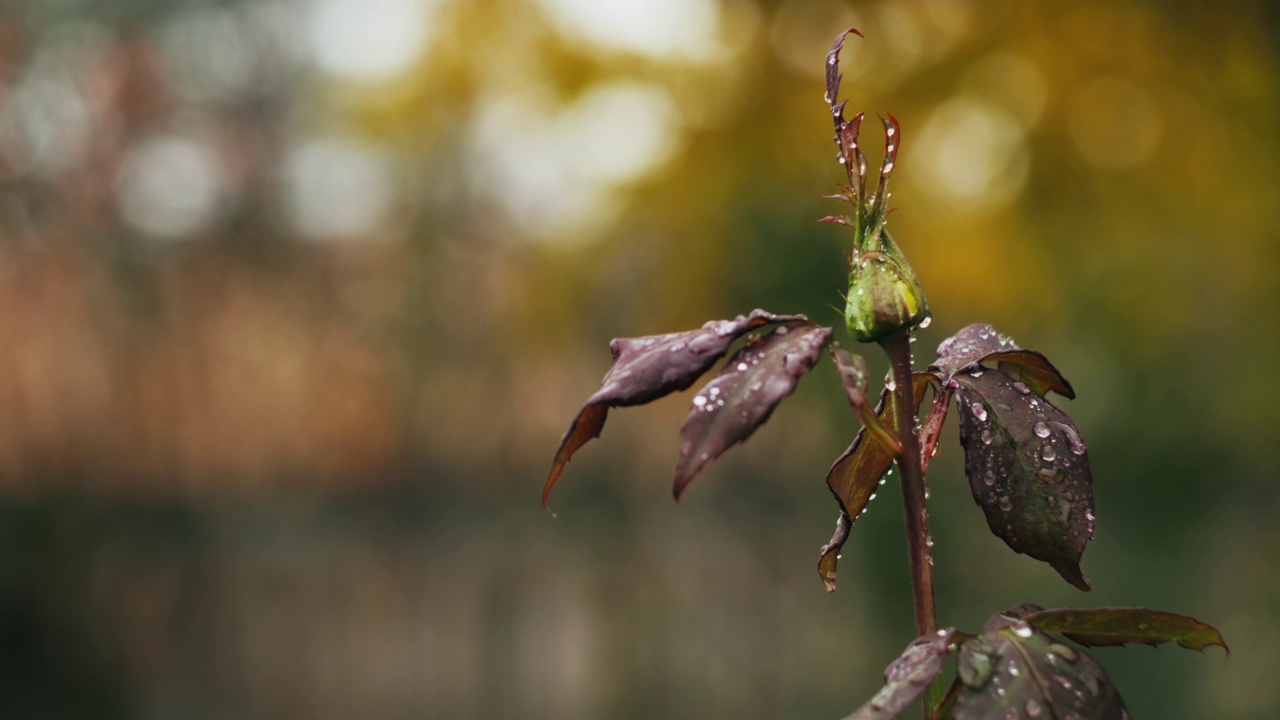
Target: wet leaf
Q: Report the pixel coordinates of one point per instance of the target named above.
(981, 343)
(744, 394)
(1117, 626)
(853, 375)
(857, 474)
(1015, 671)
(907, 678)
(1028, 469)
(647, 368)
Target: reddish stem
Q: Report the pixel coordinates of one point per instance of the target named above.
(898, 348)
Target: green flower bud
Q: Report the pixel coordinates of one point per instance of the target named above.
(885, 296)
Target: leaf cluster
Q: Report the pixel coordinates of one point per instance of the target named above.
(1017, 667)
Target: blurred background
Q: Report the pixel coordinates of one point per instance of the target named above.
(298, 296)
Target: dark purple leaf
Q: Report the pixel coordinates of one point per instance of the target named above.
(907, 678)
(1028, 469)
(858, 473)
(1117, 626)
(647, 368)
(982, 343)
(744, 394)
(1015, 671)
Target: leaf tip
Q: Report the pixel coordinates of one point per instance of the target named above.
(546, 488)
(682, 479)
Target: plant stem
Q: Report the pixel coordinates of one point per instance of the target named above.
(898, 348)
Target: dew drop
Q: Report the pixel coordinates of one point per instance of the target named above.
(989, 478)
(676, 348)
(1066, 653)
(1005, 503)
(699, 400)
(742, 366)
(1022, 388)
(979, 412)
(1013, 670)
(1033, 709)
(1077, 445)
(1042, 430)
(840, 158)
(986, 437)
(1022, 630)
(1048, 453)
(926, 322)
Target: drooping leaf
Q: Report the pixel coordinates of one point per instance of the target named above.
(1028, 469)
(853, 375)
(829, 555)
(647, 368)
(858, 473)
(981, 343)
(1015, 671)
(1117, 626)
(907, 678)
(744, 394)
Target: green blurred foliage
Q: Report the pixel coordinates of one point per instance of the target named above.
(299, 295)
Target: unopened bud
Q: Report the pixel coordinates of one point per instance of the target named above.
(885, 296)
